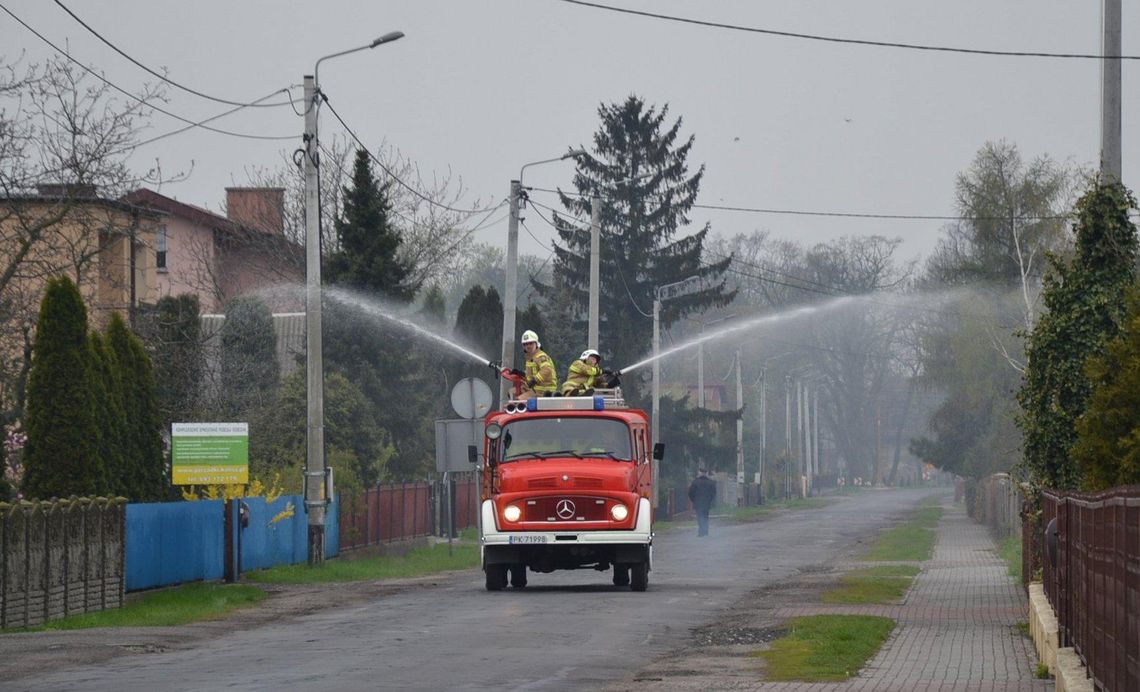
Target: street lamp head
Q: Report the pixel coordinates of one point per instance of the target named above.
(387, 38)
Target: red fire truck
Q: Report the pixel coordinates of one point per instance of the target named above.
(567, 483)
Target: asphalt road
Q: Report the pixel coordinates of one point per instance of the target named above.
(567, 630)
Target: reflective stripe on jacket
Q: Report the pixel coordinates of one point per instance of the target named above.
(540, 368)
(582, 376)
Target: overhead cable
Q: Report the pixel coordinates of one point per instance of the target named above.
(851, 41)
(252, 104)
(133, 97)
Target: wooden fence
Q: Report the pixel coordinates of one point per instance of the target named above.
(1091, 572)
(60, 558)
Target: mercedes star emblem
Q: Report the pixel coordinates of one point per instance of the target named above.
(564, 509)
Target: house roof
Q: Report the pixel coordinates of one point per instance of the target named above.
(203, 217)
(117, 204)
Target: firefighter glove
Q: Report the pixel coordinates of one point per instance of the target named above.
(518, 373)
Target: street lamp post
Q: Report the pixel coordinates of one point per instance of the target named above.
(316, 483)
(512, 280)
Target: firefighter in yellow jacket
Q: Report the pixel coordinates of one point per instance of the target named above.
(541, 376)
(585, 374)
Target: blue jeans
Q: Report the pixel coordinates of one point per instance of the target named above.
(702, 521)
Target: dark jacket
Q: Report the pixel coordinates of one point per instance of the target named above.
(702, 492)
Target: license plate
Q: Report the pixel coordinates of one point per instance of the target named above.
(526, 539)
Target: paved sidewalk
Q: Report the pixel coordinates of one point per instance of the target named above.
(957, 628)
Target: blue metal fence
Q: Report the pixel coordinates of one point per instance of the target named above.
(176, 542)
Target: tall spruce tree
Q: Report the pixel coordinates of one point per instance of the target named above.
(639, 169)
(145, 477)
(62, 457)
(249, 355)
(367, 243)
(1085, 303)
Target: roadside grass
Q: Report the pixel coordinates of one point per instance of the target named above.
(1010, 551)
(825, 647)
(880, 584)
(177, 606)
(912, 541)
(416, 562)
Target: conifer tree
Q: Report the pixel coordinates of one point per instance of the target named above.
(639, 169)
(145, 479)
(61, 457)
(174, 337)
(249, 355)
(113, 435)
(1108, 434)
(1085, 302)
(367, 249)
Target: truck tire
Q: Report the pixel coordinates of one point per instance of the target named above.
(518, 576)
(639, 576)
(496, 577)
(621, 575)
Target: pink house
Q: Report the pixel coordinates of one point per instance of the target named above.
(219, 257)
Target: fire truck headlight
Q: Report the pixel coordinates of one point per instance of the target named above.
(512, 513)
(619, 512)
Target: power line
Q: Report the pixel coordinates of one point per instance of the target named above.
(842, 214)
(202, 122)
(389, 171)
(133, 97)
(254, 104)
(851, 41)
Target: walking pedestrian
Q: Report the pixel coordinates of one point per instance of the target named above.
(702, 492)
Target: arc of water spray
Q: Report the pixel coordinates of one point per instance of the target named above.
(371, 308)
(767, 319)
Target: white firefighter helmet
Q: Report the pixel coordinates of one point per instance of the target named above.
(590, 352)
(529, 337)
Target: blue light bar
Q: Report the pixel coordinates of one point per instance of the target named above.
(566, 403)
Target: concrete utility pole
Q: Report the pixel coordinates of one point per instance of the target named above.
(511, 287)
(763, 429)
(510, 290)
(739, 436)
(787, 434)
(316, 473)
(1110, 165)
(314, 365)
(595, 268)
(815, 428)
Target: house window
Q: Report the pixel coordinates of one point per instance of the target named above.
(160, 247)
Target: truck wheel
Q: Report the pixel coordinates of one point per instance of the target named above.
(518, 576)
(639, 576)
(496, 577)
(621, 575)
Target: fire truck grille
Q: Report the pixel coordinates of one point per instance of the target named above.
(569, 508)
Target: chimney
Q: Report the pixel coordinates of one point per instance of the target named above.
(259, 208)
(67, 190)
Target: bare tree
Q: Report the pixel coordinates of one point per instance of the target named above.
(64, 138)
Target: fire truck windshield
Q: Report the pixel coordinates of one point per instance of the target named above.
(543, 438)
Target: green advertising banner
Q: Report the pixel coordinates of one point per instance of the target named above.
(209, 453)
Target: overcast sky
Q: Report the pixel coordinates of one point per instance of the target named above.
(481, 87)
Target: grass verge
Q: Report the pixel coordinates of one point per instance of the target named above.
(825, 647)
(913, 540)
(177, 606)
(882, 584)
(1010, 551)
(415, 563)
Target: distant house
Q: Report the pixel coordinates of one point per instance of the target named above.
(104, 245)
(220, 257)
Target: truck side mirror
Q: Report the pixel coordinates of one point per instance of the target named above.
(472, 454)
(659, 451)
